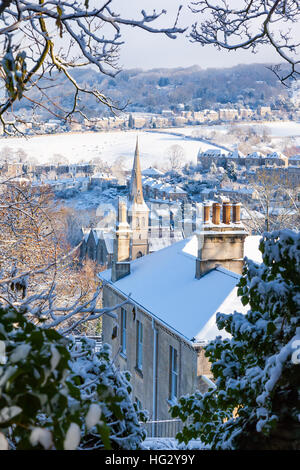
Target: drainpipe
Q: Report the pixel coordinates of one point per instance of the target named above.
(154, 392)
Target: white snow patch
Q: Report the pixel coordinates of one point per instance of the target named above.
(3, 442)
(9, 412)
(93, 416)
(55, 358)
(72, 439)
(20, 353)
(41, 436)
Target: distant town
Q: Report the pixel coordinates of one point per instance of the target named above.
(166, 118)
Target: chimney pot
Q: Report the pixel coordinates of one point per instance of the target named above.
(236, 213)
(206, 212)
(226, 213)
(216, 213)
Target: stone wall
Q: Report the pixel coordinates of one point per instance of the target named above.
(142, 381)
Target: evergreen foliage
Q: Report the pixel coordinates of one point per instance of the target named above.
(255, 404)
(53, 396)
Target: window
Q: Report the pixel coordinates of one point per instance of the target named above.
(139, 345)
(194, 219)
(160, 222)
(173, 373)
(171, 224)
(123, 331)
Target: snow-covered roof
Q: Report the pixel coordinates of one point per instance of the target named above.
(254, 155)
(156, 244)
(210, 153)
(109, 242)
(248, 215)
(237, 190)
(235, 154)
(152, 172)
(164, 284)
(275, 155)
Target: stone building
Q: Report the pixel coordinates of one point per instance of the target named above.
(220, 157)
(98, 246)
(156, 189)
(175, 294)
(294, 160)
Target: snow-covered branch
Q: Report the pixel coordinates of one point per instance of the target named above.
(41, 275)
(30, 38)
(256, 23)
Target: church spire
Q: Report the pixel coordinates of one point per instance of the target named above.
(136, 188)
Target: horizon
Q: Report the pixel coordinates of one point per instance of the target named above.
(263, 64)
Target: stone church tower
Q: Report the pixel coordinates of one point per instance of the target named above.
(121, 261)
(138, 211)
(122, 234)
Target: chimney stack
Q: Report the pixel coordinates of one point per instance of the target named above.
(221, 244)
(121, 263)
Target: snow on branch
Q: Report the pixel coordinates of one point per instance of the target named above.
(30, 38)
(256, 23)
(40, 274)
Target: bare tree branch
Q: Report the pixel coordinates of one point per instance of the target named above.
(258, 22)
(30, 33)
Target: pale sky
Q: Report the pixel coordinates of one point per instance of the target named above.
(146, 51)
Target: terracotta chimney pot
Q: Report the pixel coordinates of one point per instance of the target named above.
(226, 213)
(206, 212)
(236, 213)
(216, 213)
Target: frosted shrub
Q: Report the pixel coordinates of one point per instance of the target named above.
(100, 381)
(54, 398)
(257, 373)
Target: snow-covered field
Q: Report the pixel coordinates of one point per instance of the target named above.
(109, 146)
